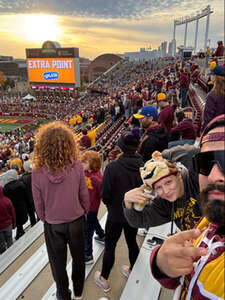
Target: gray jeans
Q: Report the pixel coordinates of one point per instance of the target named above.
(5, 238)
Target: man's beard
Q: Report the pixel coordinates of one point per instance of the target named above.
(214, 210)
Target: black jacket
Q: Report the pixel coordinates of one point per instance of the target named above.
(15, 190)
(26, 179)
(155, 139)
(119, 177)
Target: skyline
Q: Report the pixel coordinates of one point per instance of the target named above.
(98, 26)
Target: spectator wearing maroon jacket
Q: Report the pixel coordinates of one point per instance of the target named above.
(166, 115)
(158, 84)
(184, 85)
(85, 141)
(184, 132)
(220, 49)
(7, 222)
(215, 104)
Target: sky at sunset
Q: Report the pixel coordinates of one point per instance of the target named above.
(102, 26)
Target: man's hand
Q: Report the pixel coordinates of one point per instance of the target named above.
(175, 257)
(136, 195)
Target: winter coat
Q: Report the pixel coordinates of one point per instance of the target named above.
(15, 190)
(26, 179)
(119, 177)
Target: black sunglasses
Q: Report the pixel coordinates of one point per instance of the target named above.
(204, 161)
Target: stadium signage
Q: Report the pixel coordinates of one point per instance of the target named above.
(53, 65)
(50, 64)
(51, 70)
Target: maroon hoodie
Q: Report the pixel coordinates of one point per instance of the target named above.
(94, 180)
(60, 197)
(7, 212)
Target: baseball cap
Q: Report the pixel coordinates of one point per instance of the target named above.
(218, 71)
(147, 111)
(161, 96)
(212, 65)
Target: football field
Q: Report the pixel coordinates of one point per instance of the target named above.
(10, 123)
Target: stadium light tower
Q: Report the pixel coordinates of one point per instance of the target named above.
(185, 20)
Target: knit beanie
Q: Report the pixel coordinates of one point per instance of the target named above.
(156, 169)
(129, 141)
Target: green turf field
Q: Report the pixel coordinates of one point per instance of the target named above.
(10, 123)
(6, 127)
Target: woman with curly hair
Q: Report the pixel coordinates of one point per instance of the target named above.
(61, 199)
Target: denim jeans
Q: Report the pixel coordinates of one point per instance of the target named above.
(5, 238)
(183, 92)
(180, 142)
(92, 226)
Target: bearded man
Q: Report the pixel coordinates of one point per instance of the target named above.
(192, 261)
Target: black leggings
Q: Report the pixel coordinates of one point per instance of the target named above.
(57, 237)
(112, 234)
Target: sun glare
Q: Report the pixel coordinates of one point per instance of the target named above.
(39, 28)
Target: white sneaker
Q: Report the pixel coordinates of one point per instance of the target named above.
(142, 232)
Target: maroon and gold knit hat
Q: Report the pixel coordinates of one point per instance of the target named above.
(218, 121)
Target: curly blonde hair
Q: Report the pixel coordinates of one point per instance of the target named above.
(55, 147)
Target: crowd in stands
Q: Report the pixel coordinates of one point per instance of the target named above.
(144, 106)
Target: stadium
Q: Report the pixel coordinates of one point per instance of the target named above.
(137, 113)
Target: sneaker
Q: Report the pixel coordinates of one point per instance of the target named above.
(125, 271)
(19, 234)
(88, 259)
(142, 232)
(78, 297)
(102, 284)
(100, 240)
(58, 297)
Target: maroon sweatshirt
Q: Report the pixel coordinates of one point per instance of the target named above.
(94, 180)
(184, 80)
(7, 212)
(186, 129)
(166, 117)
(60, 197)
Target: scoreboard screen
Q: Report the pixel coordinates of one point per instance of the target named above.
(51, 70)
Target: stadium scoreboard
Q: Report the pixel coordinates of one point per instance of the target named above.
(52, 65)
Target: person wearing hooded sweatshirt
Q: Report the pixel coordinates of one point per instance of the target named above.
(91, 162)
(155, 136)
(177, 193)
(119, 177)
(61, 200)
(7, 222)
(15, 190)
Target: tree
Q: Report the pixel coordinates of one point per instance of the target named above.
(2, 80)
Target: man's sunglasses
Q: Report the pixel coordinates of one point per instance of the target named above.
(204, 161)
